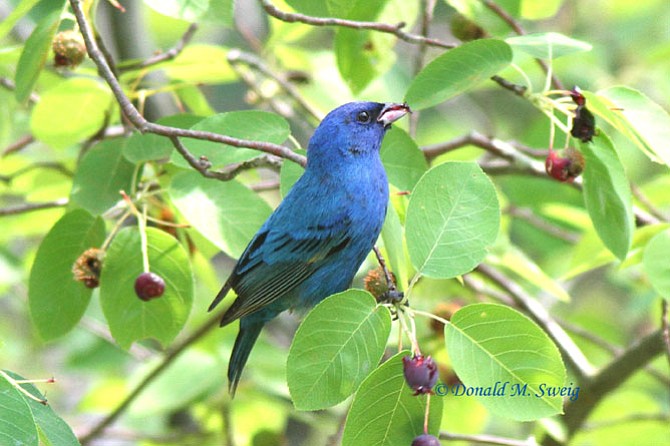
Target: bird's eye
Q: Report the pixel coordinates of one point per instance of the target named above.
(363, 117)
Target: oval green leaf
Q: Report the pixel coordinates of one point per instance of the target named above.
(456, 71)
(56, 300)
(17, 425)
(493, 346)
(656, 263)
(337, 345)
(637, 117)
(226, 212)
(452, 217)
(547, 45)
(70, 112)
(403, 160)
(129, 318)
(607, 195)
(248, 124)
(385, 411)
(101, 174)
(187, 10)
(36, 49)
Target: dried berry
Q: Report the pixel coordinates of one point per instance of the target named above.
(584, 123)
(426, 440)
(69, 49)
(420, 373)
(565, 168)
(87, 267)
(149, 286)
(375, 283)
(465, 29)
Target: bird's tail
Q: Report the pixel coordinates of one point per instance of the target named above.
(246, 338)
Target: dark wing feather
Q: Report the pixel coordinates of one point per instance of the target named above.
(275, 262)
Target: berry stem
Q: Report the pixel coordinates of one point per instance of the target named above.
(17, 385)
(426, 414)
(411, 334)
(115, 229)
(142, 223)
(430, 315)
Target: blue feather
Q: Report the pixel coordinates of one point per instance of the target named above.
(315, 241)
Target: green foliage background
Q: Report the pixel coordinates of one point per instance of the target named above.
(590, 261)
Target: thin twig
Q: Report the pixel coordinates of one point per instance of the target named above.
(30, 207)
(58, 167)
(144, 126)
(170, 356)
(665, 327)
(487, 439)
(507, 18)
(375, 26)
(570, 352)
(163, 56)
(527, 215)
(9, 84)
(642, 198)
(236, 56)
(18, 145)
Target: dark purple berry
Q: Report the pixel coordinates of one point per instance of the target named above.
(149, 286)
(425, 440)
(584, 123)
(420, 373)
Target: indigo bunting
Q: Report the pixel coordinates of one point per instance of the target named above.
(314, 242)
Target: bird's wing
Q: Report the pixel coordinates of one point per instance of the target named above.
(279, 259)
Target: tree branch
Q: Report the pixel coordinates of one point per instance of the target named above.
(608, 379)
(569, 350)
(170, 355)
(145, 126)
(18, 145)
(163, 56)
(30, 207)
(487, 439)
(375, 26)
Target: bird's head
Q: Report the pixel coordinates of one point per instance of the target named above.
(353, 130)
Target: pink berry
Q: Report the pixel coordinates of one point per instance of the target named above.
(420, 373)
(149, 286)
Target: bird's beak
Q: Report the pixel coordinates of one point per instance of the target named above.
(392, 112)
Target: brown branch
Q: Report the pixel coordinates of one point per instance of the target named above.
(144, 126)
(507, 18)
(30, 207)
(10, 85)
(569, 350)
(170, 356)
(665, 327)
(18, 145)
(527, 215)
(375, 26)
(163, 56)
(58, 167)
(608, 379)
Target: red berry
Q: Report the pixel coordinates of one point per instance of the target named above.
(149, 286)
(577, 96)
(426, 440)
(564, 168)
(420, 373)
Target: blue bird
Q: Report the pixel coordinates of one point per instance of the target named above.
(314, 242)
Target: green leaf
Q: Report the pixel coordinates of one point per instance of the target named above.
(289, 174)
(220, 12)
(547, 45)
(187, 10)
(452, 217)
(337, 345)
(148, 146)
(56, 300)
(607, 195)
(656, 263)
(251, 124)
(403, 160)
(71, 111)
(36, 50)
(392, 236)
(491, 345)
(131, 319)
(53, 431)
(326, 8)
(385, 411)
(195, 100)
(637, 117)
(101, 174)
(17, 426)
(456, 71)
(226, 212)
